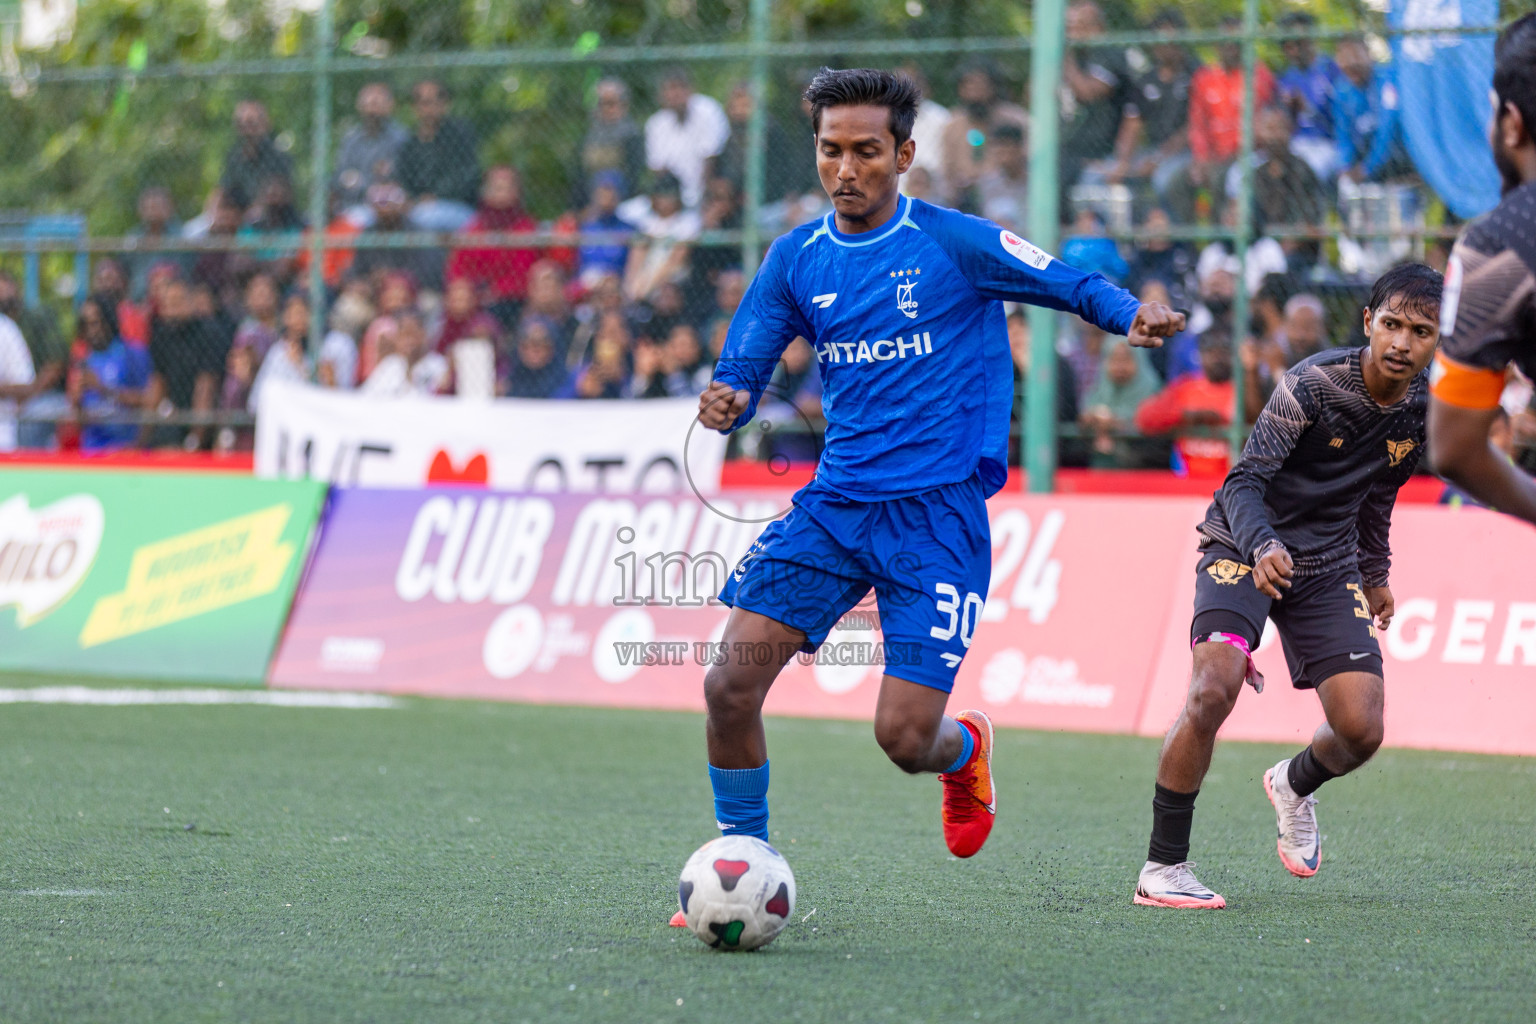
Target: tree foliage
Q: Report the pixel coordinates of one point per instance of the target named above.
(91, 146)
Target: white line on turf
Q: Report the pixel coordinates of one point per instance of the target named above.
(119, 698)
(52, 892)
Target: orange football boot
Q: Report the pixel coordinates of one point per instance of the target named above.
(970, 799)
(678, 921)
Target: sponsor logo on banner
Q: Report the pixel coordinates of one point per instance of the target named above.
(630, 626)
(198, 572)
(351, 439)
(513, 641)
(45, 553)
(1009, 675)
(149, 575)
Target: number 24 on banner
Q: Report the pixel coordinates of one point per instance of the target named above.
(1034, 588)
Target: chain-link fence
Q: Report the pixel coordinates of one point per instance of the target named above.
(577, 216)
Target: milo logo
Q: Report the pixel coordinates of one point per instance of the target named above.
(45, 553)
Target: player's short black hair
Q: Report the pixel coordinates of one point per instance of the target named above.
(852, 87)
(1514, 69)
(1409, 286)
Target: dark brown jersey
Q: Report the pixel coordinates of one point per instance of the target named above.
(1321, 470)
(1488, 315)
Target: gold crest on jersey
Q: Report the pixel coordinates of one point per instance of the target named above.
(1227, 571)
(1397, 451)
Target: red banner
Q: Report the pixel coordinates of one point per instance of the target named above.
(575, 599)
(1458, 658)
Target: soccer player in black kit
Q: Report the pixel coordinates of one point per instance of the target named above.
(1489, 315)
(1298, 534)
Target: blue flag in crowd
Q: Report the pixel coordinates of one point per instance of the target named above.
(1444, 81)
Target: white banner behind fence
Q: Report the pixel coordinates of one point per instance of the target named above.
(652, 446)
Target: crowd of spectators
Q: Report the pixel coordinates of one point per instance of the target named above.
(624, 295)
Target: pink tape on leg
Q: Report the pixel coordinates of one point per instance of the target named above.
(1253, 677)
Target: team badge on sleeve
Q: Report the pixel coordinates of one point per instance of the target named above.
(1025, 252)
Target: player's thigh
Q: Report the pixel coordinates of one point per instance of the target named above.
(798, 575)
(1327, 629)
(1226, 601)
(754, 648)
(934, 556)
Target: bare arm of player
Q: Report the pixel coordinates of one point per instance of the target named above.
(720, 405)
(1273, 570)
(1460, 452)
(1154, 322)
(1381, 604)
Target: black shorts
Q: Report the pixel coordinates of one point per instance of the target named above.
(1325, 624)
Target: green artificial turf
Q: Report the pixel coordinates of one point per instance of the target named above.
(467, 861)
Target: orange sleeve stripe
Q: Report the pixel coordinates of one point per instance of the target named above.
(1468, 387)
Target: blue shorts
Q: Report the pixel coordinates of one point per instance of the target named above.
(927, 556)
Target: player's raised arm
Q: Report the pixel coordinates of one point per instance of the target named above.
(766, 321)
(1001, 265)
(1488, 318)
(1463, 403)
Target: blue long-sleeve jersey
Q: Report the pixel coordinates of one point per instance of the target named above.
(911, 342)
(1367, 120)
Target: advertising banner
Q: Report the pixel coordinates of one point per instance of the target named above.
(1459, 658)
(155, 576)
(607, 600)
(361, 440)
(572, 599)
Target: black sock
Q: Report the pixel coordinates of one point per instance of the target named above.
(1172, 815)
(1306, 773)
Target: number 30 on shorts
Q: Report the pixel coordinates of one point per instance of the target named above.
(962, 614)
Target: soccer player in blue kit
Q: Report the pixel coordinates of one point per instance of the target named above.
(903, 303)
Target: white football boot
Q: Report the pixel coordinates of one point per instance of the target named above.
(1174, 885)
(1299, 845)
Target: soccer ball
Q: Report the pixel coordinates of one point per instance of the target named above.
(736, 892)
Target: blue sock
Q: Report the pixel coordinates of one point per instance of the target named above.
(967, 748)
(741, 800)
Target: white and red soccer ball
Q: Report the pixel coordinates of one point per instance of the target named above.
(736, 892)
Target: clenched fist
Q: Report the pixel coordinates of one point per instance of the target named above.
(720, 405)
(1154, 322)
